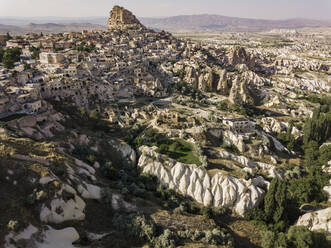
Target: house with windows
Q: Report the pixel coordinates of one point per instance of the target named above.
(240, 125)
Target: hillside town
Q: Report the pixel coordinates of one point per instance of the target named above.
(216, 123)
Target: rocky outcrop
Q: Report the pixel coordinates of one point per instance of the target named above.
(120, 16)
(61, 210)
(47, 238)
(270, 170)
(229, 138)
(125, 151)
(39, 126)
(238, 55)
(245, 89)
(317, 220)
(191, 180)
(224, 84)
(271, 125)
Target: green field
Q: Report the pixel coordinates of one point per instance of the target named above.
(179, 150)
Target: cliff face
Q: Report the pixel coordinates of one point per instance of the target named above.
(120, 16)
(220, 190)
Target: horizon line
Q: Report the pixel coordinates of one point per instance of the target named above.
(164, 17)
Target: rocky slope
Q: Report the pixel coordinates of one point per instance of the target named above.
(218, 191)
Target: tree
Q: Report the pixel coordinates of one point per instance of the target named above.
(8, 61)
(318, 128)
(8, 37)
(275, 203)
(11, 56)
(2, 52)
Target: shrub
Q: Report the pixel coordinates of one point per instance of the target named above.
(217, 237)
(166, 240)
(268, 239)
(206, 212)
(135, 190)
(137, 225)
(219, 211)
(300, 237)
(255, 214)
(108, 170)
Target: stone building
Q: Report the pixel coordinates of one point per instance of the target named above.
(51, 58)
(240, 125)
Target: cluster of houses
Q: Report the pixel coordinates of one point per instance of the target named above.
(106, 65)
(117, 65)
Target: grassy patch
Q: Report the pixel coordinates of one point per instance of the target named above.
(179, 150)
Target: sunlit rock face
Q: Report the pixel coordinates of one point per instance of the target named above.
(317, 220)
(191, 180)
(120, 16)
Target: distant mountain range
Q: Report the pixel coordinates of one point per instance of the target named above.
(173, 24)
(228, 24)
(49, 28)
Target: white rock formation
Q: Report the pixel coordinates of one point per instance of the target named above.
(220, 190)
(61, 210)
(125, 150)
(271, 170)
(317, 220)
(89, 191)
(327, 188)
(49, 238)
(230, 138)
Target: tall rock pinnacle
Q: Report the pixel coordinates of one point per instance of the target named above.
(120, 17)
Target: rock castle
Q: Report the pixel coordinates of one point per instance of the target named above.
(120, 16)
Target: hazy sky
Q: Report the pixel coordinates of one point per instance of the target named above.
(269, 9)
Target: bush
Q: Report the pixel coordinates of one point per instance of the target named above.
(217, 237)
(255, 214)
(219, 211)
(135, 190)
(206, 212)
(166, 240)
(149, 181)
(301, 237)
(108, 170)
(137, 225)
(272, 239)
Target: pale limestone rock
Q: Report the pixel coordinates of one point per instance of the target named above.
(327, 190)
(89, 191)
(317, 220)
(191, 180)
(49, 238)
(61, 210)
(230, 138)
(208, 198)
